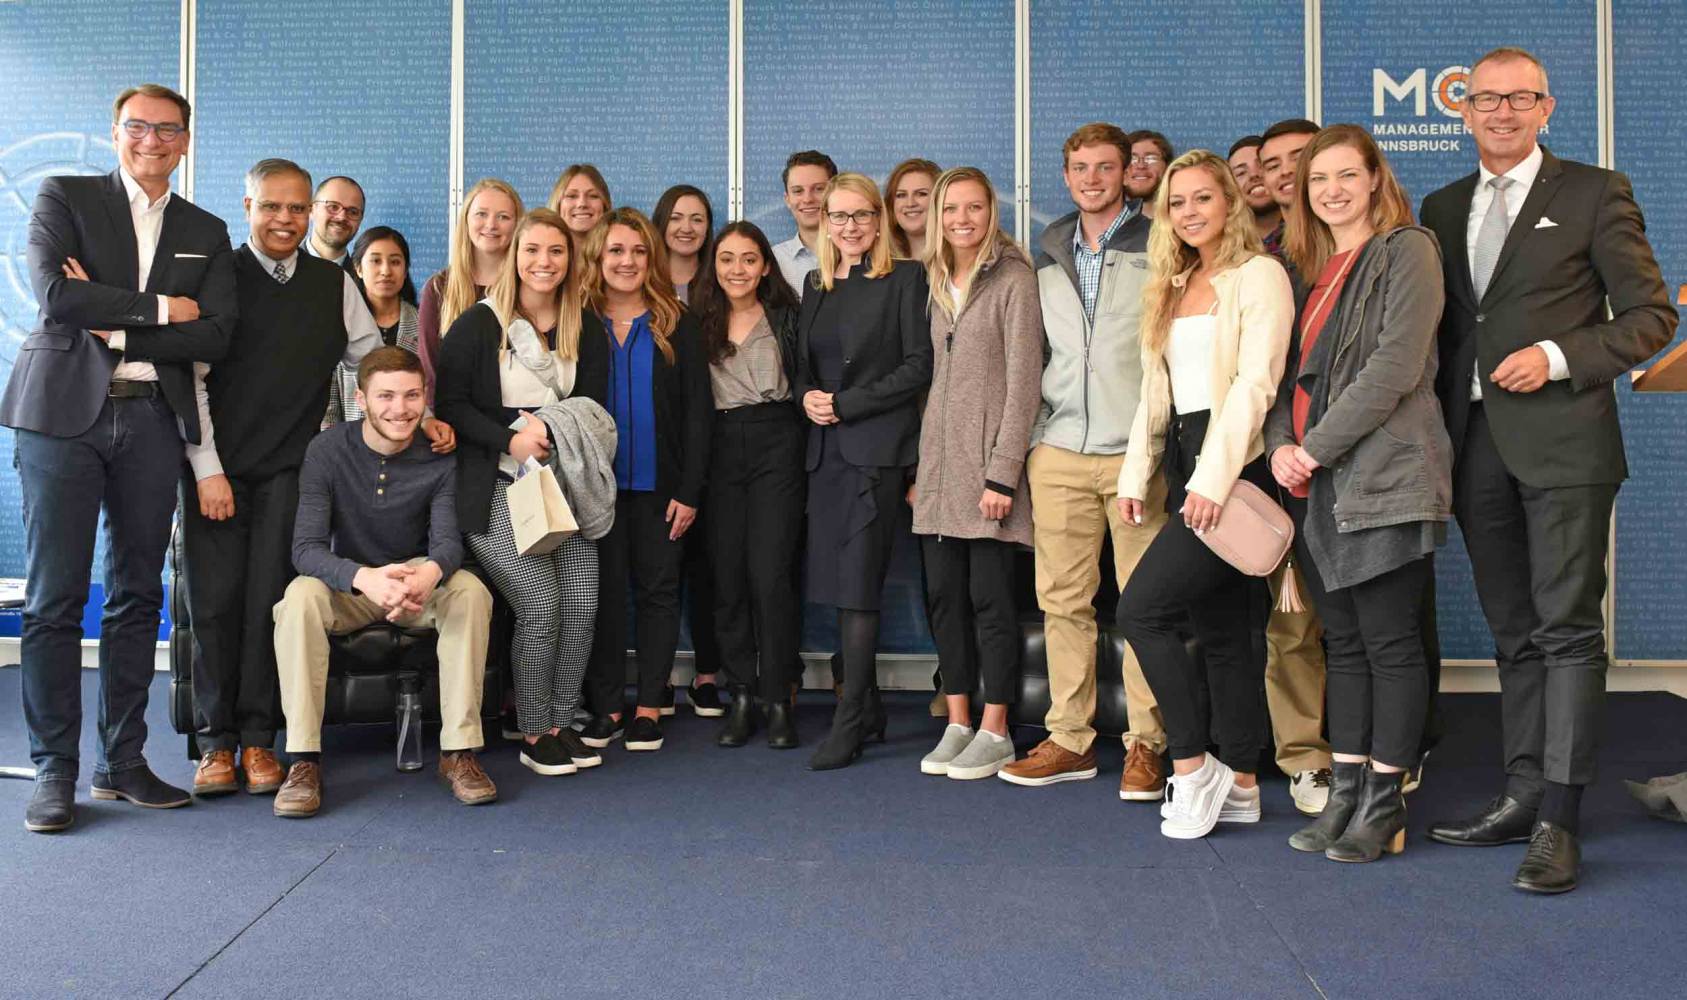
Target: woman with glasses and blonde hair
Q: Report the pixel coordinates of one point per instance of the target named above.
(1215, 330)
(863, 358)
(528, 344)
(971, 499)
(660, 398)
(479, 247)
(907, 195)
(1357, 428)
(581, 196)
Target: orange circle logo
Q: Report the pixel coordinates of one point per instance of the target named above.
(1451, 84)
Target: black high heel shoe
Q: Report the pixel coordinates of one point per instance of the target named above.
(1317, 836)
(1378, 825)
(851, 724)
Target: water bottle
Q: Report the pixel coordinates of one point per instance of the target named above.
(410, 724)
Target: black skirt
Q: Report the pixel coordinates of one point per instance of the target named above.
(855, 514)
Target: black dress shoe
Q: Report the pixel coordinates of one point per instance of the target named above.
(1505, 821)
(53, 806)
(740, 720)
(1552, 863)
(138, 785)
(781, 726)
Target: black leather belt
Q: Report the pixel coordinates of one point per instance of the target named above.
(126, 389)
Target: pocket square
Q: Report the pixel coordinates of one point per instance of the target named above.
(1546, 223)
(193, 256)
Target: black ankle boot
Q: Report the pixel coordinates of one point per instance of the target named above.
(781, 726)
(1332, 822)
(850, 725)
(1378, 825)
(740, 719)
(875, 724)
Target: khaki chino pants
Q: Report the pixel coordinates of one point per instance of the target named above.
(459, 609)
(1072, 507)
(1294, 680)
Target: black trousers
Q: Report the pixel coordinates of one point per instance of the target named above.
(969, 601)
(698, 594)
(636, 551)
(1538, 555)
(757, 487)
(1377, 676)
(236, 572)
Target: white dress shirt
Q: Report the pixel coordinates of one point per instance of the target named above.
(363, 335)
(795, 261)
(148, 218)
(1523, 175)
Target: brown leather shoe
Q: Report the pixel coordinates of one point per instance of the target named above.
(1048, 763)
(469, 783)
(215, 775)
(1144, 780)
(263, 771)
(301, 794)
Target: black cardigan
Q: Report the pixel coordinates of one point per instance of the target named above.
(887, 364)
(470, 399)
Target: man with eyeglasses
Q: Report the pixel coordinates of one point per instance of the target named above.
(336, 214)
(1535, 250)
(1151, 152)
(134, 284)
(259, 407)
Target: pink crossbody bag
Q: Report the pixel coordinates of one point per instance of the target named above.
(1253, 533)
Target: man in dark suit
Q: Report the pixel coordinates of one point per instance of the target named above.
(134, 285)
(1534, 247)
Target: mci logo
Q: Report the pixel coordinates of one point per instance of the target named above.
(1447, 91)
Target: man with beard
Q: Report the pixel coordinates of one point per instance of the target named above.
(1250, 177)
(1279, 155)
(376, 538)
(336, 214)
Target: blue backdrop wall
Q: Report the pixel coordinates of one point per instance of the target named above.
(645, 91)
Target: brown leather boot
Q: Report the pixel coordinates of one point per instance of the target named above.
(469, 783)
(263, 771)
(215, 775)
(301, 795)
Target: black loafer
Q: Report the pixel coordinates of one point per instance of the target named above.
(1505, 821)
(139, 786)
(601, 732)
(52, 807)
(1553, 862)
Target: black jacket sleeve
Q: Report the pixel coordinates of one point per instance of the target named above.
(697, 411)
(464, 352)
(591, 370)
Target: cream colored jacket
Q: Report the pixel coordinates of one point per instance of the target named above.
(1256, 311)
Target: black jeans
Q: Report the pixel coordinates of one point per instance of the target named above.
(1179, 576)
(126, 462)
(756, 490)
(1377, 683)
(236, 572)
(636, 549)
(969, 600)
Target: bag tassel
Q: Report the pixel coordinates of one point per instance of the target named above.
(1288, 596)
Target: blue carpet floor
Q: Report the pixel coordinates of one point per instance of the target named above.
(697, 872)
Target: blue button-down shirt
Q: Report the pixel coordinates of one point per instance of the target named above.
(1087, 262)
(632, 402)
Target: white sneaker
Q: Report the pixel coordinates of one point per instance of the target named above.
(1195, 805)
(955, 739)
(986, 754)
(1310, 790)
(1240, 806)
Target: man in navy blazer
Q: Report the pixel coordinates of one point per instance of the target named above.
(134, 285)
(1553, 293)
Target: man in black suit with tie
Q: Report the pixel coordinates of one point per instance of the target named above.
(1533, 248)
(134, 285)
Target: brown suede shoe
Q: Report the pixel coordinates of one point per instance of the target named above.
(1048, 763)
(215, 775)
(469, 783)
(1144, 780)
(263, 771)
(301, 795)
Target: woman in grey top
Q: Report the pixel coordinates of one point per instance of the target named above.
(381, 262)
(757, 483)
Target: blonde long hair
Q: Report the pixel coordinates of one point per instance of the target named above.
(458, 293)
(1169, 257)
(879, 259)
(1306, 238)
(505, 294)
(665, 307)
(939, 256)
(899, 243)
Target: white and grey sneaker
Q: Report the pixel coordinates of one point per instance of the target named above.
(983, 757)
(1240, 806)
(1311, 789)
(955, 739)
(1199, 798)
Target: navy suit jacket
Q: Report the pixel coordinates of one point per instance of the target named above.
(62, 373)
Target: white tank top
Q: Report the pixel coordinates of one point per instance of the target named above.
(1189, 357)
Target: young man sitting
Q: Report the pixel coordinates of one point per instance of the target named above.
(376, 535)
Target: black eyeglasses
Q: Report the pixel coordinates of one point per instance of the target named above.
(134, 128)
(1520, 100)
(860, 218)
